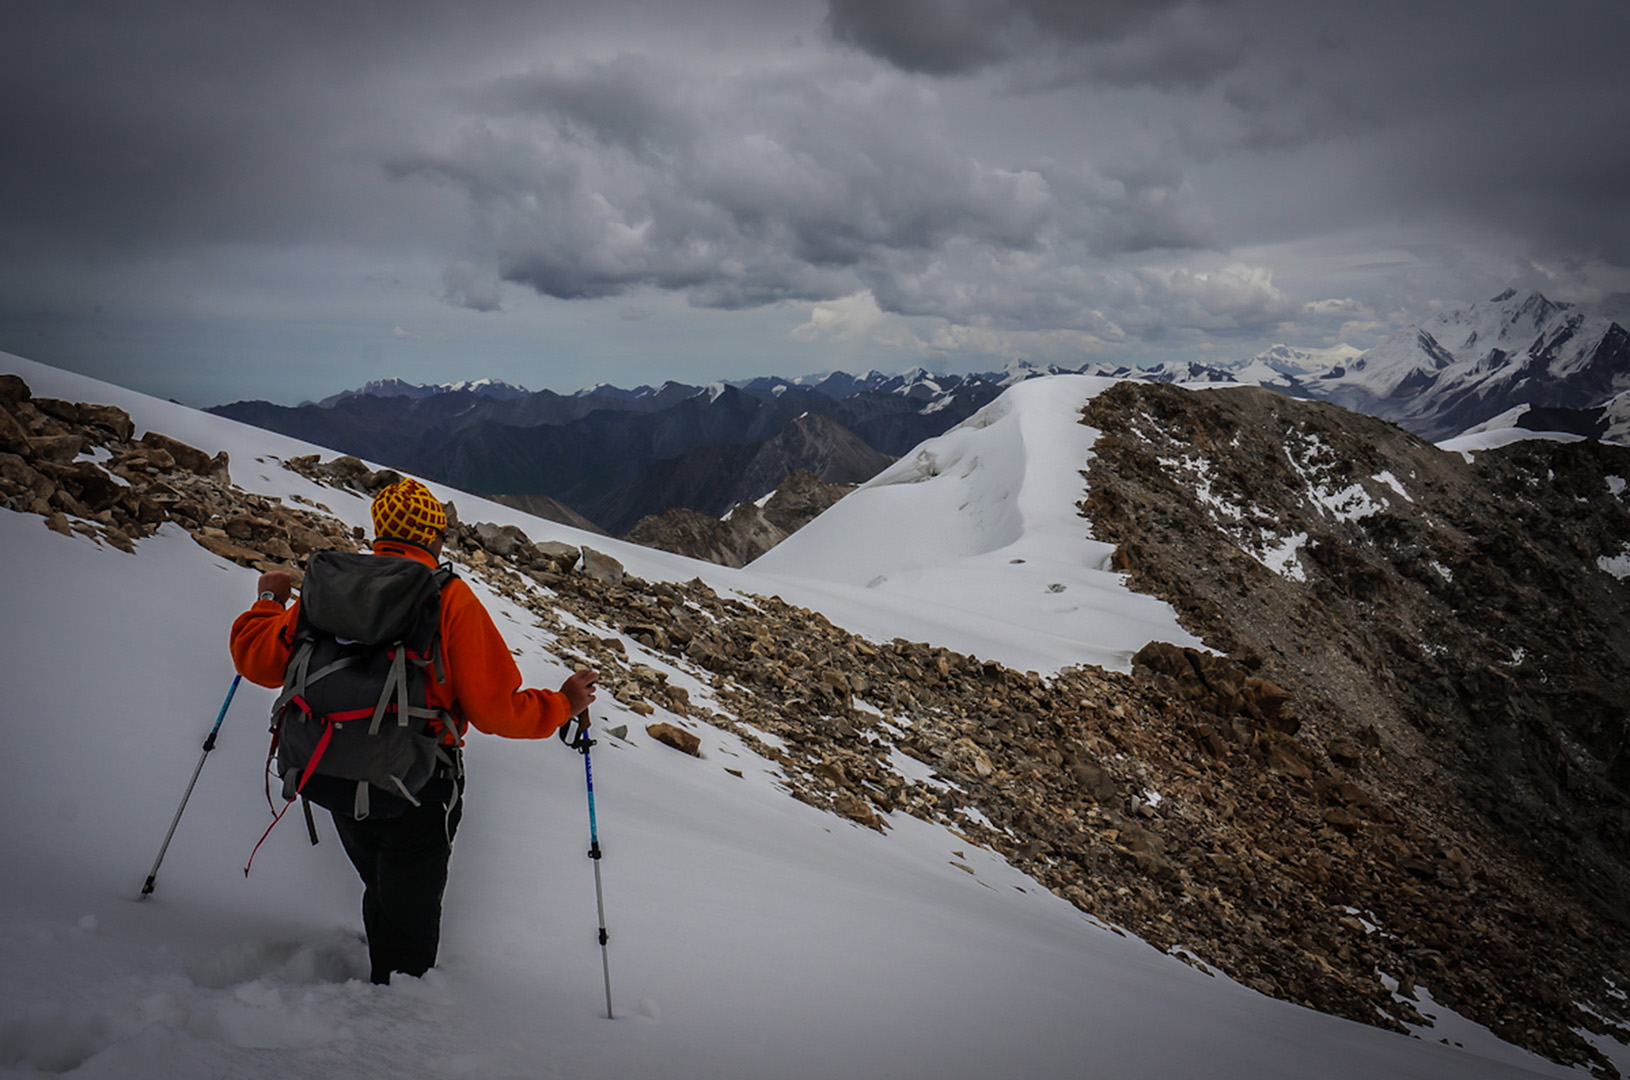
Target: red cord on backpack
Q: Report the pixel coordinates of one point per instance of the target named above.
(311, 767)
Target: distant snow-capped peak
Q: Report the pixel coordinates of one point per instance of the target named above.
(389, 388)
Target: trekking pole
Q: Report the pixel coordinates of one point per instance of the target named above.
(576, 735)
(209, 744)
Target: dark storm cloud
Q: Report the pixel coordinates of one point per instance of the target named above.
(595, 179)
(1134, 170)
(951, 37)
(130, 126)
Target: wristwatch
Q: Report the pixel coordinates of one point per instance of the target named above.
(269, 595)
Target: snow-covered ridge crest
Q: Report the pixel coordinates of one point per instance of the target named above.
(983, 521)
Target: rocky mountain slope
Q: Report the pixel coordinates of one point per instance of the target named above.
(749, 530)
(1404, 778)
(712, 479)
(1456, 637)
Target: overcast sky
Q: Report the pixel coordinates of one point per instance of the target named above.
(225, 200)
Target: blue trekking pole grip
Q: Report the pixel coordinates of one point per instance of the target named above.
(209, 744)
(575, 734)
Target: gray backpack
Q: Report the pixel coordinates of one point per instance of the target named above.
(351, 729)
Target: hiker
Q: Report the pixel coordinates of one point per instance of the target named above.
(398, 838)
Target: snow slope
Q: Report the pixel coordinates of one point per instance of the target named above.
(978, 529)
(751, 935)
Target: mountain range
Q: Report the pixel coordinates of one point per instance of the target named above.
(1468, 366)
(616, 456)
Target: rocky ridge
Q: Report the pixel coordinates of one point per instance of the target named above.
(1455, 634)
(1200, 802)
(82, 469)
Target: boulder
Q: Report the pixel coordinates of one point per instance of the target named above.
(186, 456)
(13, 436)
(55, 447)
(227, 549)
(603, 568)
(110, 418)
(57, 409)
(857, 810)
(95, 488)
(22, 477)
(378, 481)
(149, 458)
(676, 737)
(349, 469)
(500, 540)
(562, 556)
(13, 391)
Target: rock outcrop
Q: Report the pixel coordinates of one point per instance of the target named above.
(749, 530)
(81, 467)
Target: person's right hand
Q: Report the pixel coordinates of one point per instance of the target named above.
(579, 691)
(280, 583)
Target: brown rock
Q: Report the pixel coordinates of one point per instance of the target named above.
(1344, 820)
(562, 556)
(150, 511)
(652, 637)
(13, 436)
(836, 680)
(832, 772)
(383, 478)
(59, 523)
(13, 391)
(55, 447)
(65, 500)
(1347, 793)
(241, 528)
(187, 457)
(676, 737)
(1283, 757)
(1094, 781)
(1343, 751)
(349, 469)
(857, 810)
(304, 541)
(15, 470)
(94, 487)
(603, 568)
(119, 539)
(226, 549)
(500, 540)
(151, 458)
(58, 409)
(110, 418)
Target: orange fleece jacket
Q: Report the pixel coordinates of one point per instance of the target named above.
(483, 685)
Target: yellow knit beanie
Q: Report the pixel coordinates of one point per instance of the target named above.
(407, 511)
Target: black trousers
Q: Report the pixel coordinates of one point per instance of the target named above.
(402, 861)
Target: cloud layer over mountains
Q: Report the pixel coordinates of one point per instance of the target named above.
(996, 177)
